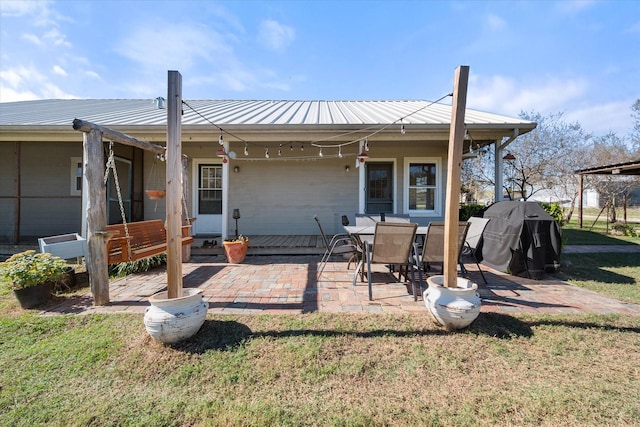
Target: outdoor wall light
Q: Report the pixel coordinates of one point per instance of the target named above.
(236, 169)
(347, 168)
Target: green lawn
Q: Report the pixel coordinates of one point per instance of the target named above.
(332, 369)
(321, 369)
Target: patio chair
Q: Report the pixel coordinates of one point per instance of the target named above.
(476, 227)
(433, 248)
(339, 244)
(393, 244)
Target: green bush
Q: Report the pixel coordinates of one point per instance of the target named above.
(146, 264)
(467, 211)
(554, 210)
(624, 230)
(31, 268)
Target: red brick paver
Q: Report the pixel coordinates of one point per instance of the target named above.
(287, 284)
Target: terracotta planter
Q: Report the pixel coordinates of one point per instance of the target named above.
(156, 194)
(34, 295)
(236, 251)
(453, 308)
(176, 319)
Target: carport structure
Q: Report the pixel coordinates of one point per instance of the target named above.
(624, 169)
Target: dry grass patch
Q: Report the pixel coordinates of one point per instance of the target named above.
(322, 369)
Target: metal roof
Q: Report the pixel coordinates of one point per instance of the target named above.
(627, 168)
(241, 112)
(47, 120)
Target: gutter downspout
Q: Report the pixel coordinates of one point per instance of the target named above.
(499, 165)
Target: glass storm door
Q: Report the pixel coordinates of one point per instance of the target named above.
(379, 188)
(209, 199)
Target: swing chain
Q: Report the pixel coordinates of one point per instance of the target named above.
(111, 164)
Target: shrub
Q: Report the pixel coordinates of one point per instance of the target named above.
(467, 211)
(31, 268)
(146, 264)
(554, 210)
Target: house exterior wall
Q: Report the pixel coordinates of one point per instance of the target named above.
(274, 196)
(47, 206)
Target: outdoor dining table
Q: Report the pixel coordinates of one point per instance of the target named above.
(364, 234)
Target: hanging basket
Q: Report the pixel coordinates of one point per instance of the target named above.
(156, 194)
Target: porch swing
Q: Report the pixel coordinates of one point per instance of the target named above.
(140, 239)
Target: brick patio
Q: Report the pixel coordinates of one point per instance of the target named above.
(287, 284)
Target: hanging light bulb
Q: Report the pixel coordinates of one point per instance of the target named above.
(340, 151)
(402, 130)
(266, 153)
(246, 150)
(220, 140)
(301, 147)
(366, 144)
(320, 154)
(280, 151)
(291, 147)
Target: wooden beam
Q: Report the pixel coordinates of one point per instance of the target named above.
(454, 165)
(174, 185)
(119, 137)
(93, 167)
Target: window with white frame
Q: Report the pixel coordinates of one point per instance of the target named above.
(76, 176)
(423, 186)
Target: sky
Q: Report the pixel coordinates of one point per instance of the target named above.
(577, 58)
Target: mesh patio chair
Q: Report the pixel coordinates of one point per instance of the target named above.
(433, 248)
(339, 244)
(476, 227)
(393, 244)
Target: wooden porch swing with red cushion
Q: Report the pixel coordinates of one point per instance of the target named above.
(146, 239)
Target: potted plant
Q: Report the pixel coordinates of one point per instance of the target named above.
(236, 249)
(32, 276)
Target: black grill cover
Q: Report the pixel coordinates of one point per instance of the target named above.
(521, 238)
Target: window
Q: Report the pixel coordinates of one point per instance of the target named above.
(76, 176)
(210, 190)
(422, 188)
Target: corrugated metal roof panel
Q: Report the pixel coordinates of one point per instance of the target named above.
(109, 112)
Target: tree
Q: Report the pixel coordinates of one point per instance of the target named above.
(545, 159)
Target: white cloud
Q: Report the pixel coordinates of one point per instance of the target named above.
(275, 36)
(27, 83)
(500, 93)
(553, 95)
(57, 38)
(604, 118)
(59, 71)
(173, 46)
(33, 39)
(495, 23)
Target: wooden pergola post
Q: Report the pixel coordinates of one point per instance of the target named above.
(454, 165)
(93, 167)
(174, 185)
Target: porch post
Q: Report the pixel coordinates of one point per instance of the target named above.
(96, 213)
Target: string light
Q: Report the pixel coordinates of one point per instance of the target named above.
(375, 129)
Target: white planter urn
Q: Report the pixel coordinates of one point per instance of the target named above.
(172, 320)
(453, 308)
